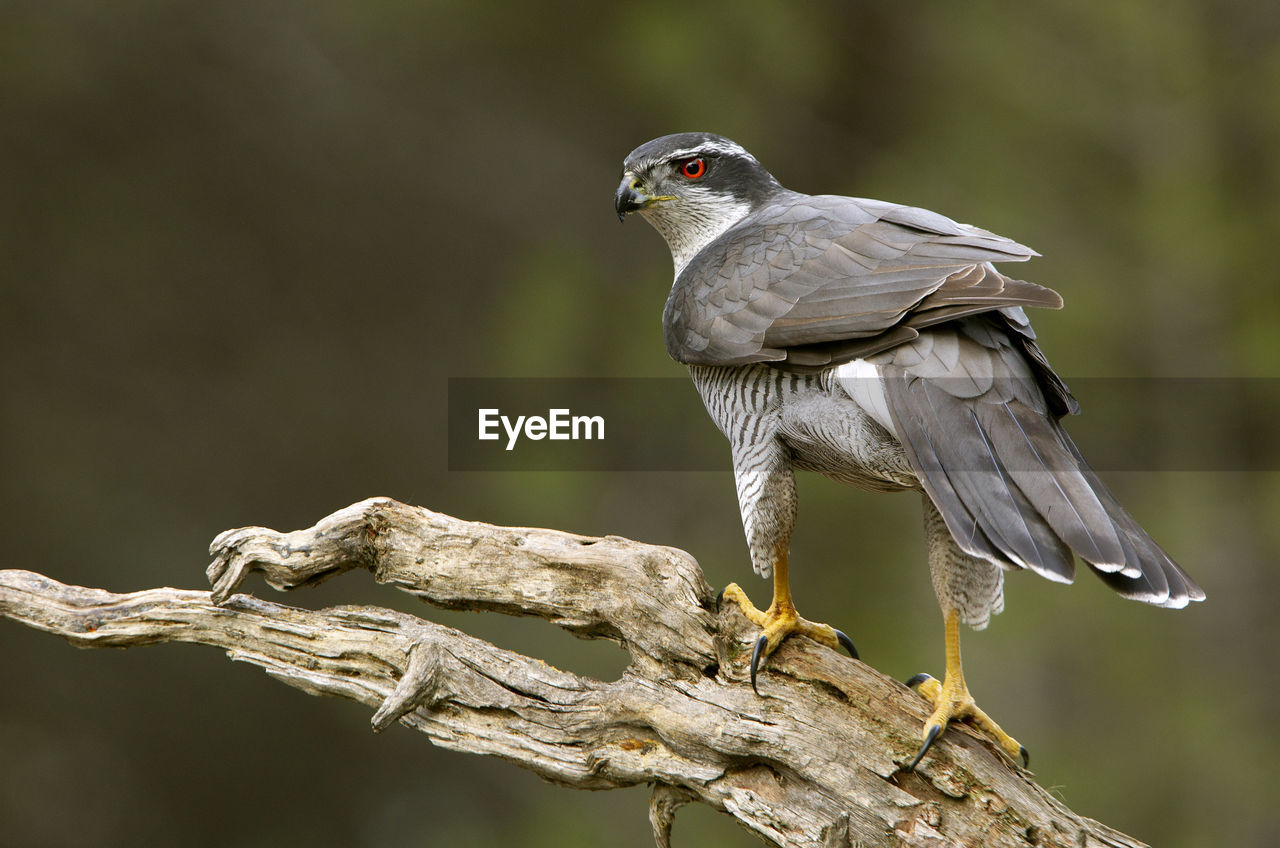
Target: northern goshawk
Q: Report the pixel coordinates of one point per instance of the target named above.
(878, 345)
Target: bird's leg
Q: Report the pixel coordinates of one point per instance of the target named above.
(952, 701)
(781, 620)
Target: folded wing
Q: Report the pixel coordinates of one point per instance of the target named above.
(809, 282)
(1010, 484)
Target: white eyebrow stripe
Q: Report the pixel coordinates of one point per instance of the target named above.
(729, 149)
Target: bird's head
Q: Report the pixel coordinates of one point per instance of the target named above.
(692, 187)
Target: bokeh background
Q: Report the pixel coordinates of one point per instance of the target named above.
(244, 245)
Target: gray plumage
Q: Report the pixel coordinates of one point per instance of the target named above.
(878, 345)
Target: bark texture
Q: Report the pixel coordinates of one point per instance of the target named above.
(817, 760)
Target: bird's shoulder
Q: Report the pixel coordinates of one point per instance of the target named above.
(794, 228)
(807, 281)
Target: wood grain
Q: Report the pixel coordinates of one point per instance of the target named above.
(816, 760)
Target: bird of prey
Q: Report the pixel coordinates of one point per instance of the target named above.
(878, 345)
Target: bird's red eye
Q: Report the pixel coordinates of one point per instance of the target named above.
(693, 168)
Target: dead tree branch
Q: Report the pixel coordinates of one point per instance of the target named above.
(816, 761)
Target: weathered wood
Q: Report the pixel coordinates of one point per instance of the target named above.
(817, 760)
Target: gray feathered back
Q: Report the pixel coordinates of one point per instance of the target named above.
(810, 281)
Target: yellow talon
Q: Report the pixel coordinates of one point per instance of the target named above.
(780, 620)
(952, 702)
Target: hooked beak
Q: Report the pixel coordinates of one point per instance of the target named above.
(632, 197)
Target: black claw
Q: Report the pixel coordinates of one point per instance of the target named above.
(846, 643)
(755, 660)
(1026, 756)
(719, 599)
(928, 743)
(917, 679)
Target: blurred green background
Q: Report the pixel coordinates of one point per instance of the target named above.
(244, 244)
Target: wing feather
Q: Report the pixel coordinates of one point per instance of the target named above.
(1003, 472)
(956, 457)
(796, 281)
